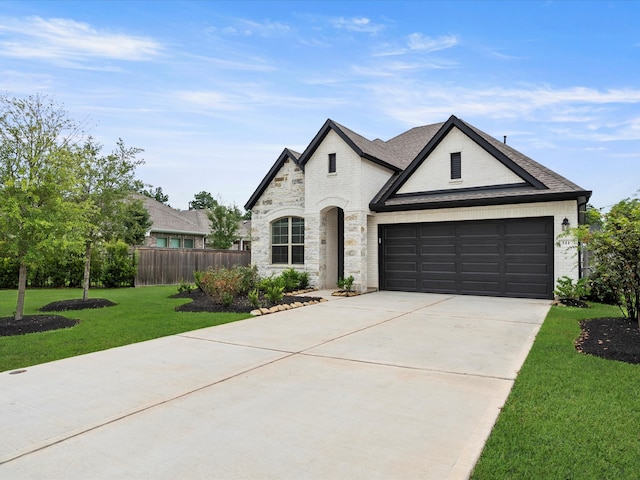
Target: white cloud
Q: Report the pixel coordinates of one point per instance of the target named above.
(251, 98)
(418, 41)
(361, 24)
(245, 27)
(570, 113)
(66, 42)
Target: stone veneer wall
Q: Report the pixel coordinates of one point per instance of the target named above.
(284, 197)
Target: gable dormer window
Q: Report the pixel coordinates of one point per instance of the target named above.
(456, 166)
(332, 163)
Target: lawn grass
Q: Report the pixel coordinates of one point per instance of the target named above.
(569, 415)
(140, 314)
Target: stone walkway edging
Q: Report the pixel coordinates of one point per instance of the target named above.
(285, 306)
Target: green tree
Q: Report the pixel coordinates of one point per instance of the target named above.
(202, 201)
(106, 183)
(136, 223)
(616, 250)
(156, 193)
(224, 225)
(39, 213)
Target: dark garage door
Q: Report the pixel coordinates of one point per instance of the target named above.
(505, 258)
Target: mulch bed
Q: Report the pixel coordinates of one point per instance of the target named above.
(44, 323)
(573, 302)
(201, 302)
(610, 338)
(77, 304)
(33, 324)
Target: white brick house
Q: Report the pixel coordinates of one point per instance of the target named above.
(440, 208)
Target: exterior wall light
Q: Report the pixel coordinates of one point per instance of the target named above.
(565, 224)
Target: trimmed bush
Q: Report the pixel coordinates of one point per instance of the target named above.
(119, 268)
(222, 284)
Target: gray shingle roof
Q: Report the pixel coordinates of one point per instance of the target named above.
(404, 153)
(539, 183)
(168, 220)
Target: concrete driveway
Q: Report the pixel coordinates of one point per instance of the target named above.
(384, 385)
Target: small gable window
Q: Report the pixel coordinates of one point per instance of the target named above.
(332, 163)
(287, 241)
(456, 166)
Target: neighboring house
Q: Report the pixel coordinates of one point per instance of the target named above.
(244, 236)
(175, 228)
(441, 208)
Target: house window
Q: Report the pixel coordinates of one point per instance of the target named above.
(456, 166)
(188, 243)
(287, 241)
(161, 242)
(332, 163)
(174, 243)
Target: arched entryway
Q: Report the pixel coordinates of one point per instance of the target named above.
(334, 242)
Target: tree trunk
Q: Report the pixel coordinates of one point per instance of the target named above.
(87, 271)
(22, 287)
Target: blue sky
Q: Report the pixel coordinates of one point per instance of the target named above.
(213, 91)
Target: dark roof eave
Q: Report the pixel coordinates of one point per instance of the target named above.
(286, 153)
(382, 163)
(475, 202)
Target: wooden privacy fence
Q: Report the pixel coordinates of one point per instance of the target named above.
(170, 266)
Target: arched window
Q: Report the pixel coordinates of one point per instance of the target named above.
(287, 241)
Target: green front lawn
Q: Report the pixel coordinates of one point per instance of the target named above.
(569, 415)
(140, 314)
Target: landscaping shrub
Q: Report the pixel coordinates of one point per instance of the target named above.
(254, 298)
(119, 267)
(290, 279)
(275, 293)
(222, 284)
(346, 283)
(567, 289)
(9, 268)
(270, 282)
(197, 278)
(304, 280)
(184, 286)
(249, 278)
(66, 269)
(600, 289)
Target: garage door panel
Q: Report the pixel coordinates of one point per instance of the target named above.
(479, 248)
(527, 268)
(401, 249)
(526, 290)
(431, 267)
(435, 285)
(438, 249)
(402, 267)
(480, 288)
(441, 230)
(488, 267)
(506, 257)
(403, 284)
(479, 229)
